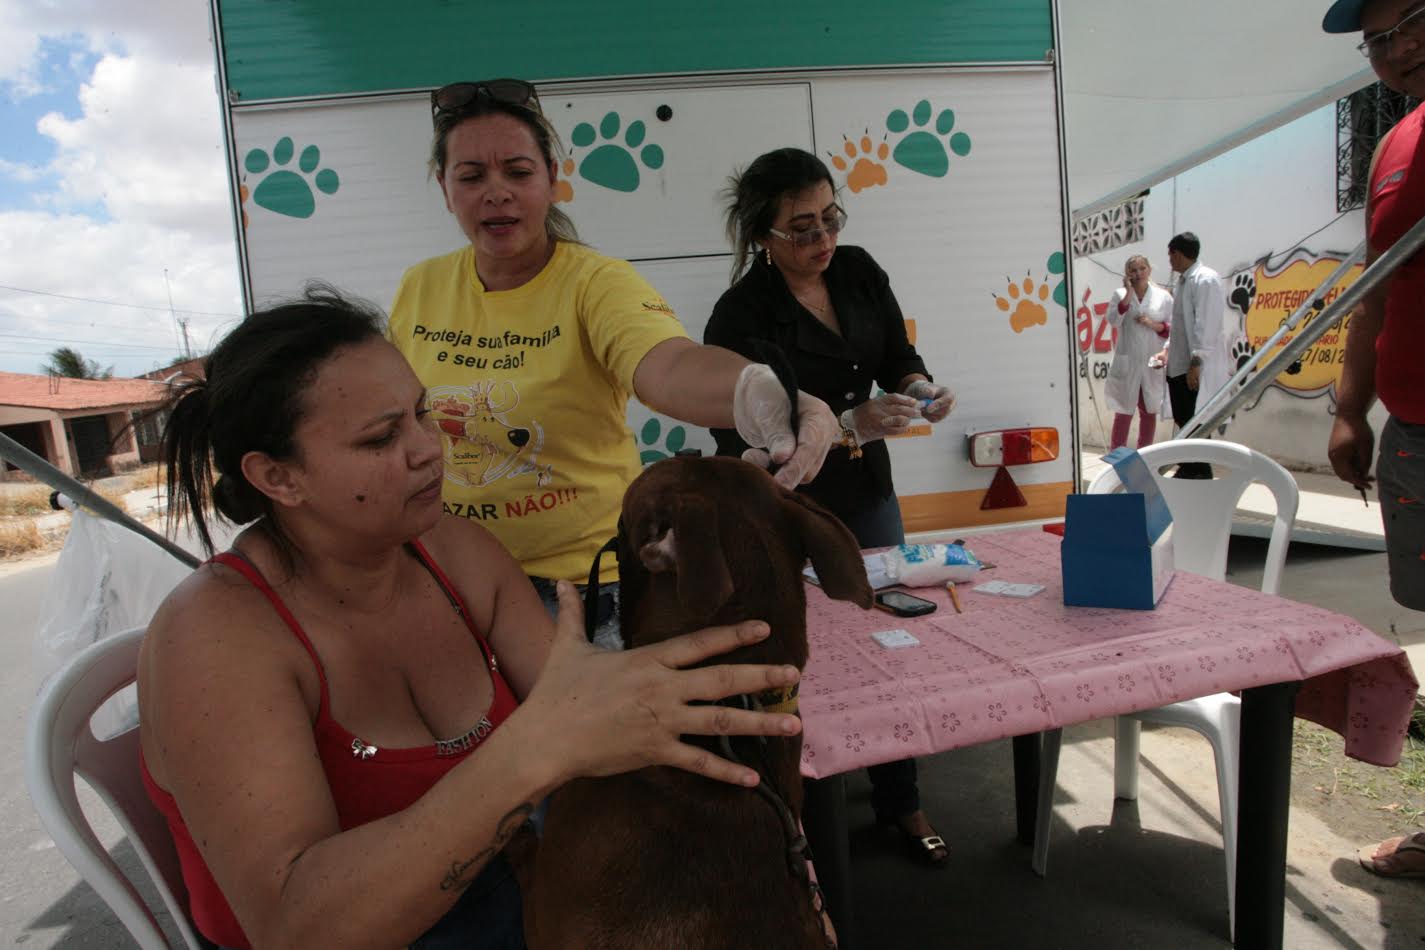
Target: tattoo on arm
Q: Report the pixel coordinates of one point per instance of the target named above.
(456, 880)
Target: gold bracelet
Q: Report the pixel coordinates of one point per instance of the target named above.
(848, 440)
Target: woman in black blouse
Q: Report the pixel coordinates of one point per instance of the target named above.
(831, 312)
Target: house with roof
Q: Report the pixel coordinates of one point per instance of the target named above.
(80, 426)
(190, 368)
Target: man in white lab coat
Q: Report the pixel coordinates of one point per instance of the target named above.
(1197, 355)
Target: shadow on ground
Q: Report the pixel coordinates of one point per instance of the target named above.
(86, 921)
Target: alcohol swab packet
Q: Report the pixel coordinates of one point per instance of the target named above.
(1007, 589)
(892, 639)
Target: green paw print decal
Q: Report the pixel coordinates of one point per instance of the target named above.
(920, 151)
(611, 164)
(1055, 265)
(649, 435)
(284, 191)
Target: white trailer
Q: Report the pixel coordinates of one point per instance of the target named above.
(941, 119)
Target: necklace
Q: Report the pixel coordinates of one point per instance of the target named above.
(811, 306)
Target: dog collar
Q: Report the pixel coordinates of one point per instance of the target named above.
(782, 700)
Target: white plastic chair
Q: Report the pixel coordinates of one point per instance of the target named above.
(1202, 526)
(60, 744)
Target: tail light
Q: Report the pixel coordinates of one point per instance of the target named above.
(1013, 447)
(1000, 448)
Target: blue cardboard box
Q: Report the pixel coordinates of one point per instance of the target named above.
(1118, 549)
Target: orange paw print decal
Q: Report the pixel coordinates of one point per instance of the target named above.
(867, 170)
(563, 191)
(1028, 311)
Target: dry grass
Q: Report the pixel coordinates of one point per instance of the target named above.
(148, 478)
(24, 501)
(154, 477)
(20, 538)
(114, 495)
(1364, 801)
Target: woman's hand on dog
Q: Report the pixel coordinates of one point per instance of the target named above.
(610, 712)
(762, 414)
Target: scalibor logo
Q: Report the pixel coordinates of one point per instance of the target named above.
(1264, 294)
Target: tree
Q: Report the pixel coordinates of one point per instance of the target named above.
(67, 361)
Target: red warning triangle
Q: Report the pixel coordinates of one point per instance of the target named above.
(1003, 492)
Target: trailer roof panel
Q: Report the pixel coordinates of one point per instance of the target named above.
(330, 48)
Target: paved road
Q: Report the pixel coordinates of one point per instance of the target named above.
(43, 903)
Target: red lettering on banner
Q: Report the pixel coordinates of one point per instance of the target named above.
(1107, 337)
(1101, 340)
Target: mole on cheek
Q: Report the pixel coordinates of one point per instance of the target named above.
(360, 497)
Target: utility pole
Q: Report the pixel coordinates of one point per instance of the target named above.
(182, 323)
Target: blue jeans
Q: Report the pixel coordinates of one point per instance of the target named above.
(488, 916)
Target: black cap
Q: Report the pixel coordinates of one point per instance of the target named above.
(1343, 17)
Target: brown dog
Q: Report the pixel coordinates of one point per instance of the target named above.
(661, 858)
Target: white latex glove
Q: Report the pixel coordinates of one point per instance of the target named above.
(762, 415)
(885, 415)
(942, 400)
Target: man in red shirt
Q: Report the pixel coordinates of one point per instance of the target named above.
(1385, 343)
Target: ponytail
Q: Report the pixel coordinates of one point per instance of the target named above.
(187, 456)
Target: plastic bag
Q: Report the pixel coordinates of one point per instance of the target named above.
(107, 580)
(930, 565)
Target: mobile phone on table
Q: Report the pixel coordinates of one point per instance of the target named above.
(902, 604)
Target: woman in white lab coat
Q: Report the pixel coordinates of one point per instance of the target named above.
(1141, 312)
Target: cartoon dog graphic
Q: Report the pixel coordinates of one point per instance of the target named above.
(482, 444)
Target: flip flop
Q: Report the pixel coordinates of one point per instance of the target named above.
(1414, 843)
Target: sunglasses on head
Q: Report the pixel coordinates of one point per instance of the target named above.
(459, 95)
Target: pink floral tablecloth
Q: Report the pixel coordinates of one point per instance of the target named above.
(1009, 666)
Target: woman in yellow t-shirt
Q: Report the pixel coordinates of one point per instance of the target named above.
(531, 344)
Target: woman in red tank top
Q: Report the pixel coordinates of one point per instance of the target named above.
(348, 717)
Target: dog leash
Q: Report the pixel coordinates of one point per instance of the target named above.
(799, 856)
(591, 590)
(771, 354)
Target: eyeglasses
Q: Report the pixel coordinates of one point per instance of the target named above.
(830, 227)
(1411, 26)
(458, 95)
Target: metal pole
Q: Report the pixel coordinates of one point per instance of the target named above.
(1314, 302)
(27, 461)
(1373, 276)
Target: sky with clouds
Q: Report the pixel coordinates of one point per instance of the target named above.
(112, 176)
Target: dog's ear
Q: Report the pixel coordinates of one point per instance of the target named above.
(690, 547)
(832, 548)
